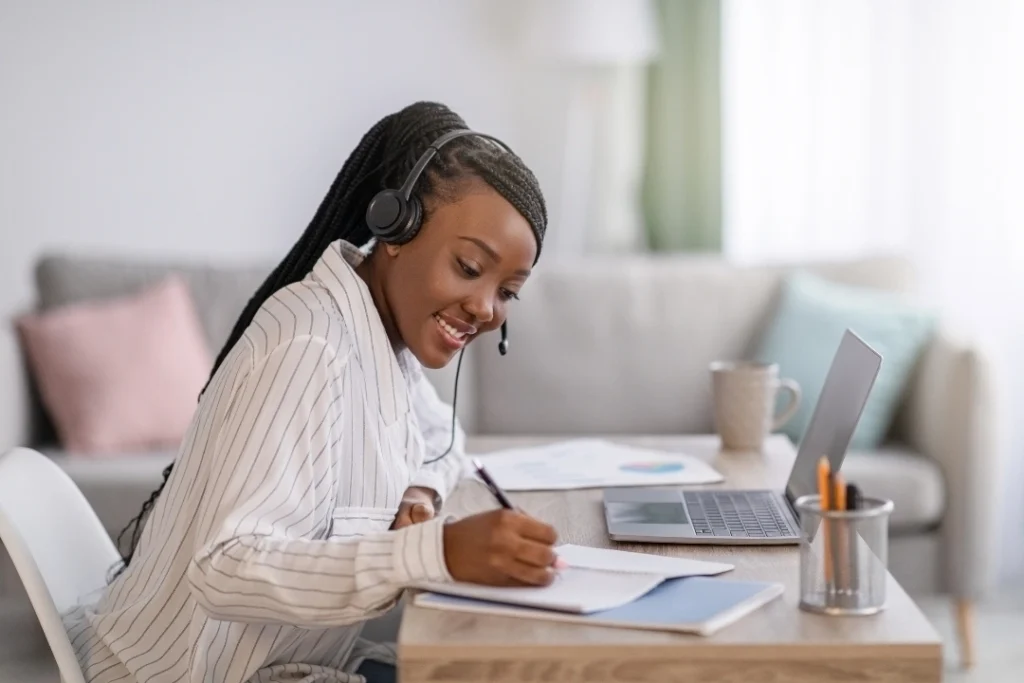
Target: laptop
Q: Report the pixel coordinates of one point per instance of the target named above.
(755, 517)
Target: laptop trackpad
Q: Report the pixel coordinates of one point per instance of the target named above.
(645, 506)
(647, 513)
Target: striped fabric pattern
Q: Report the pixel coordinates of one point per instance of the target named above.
(270, 544)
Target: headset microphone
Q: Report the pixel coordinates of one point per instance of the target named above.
(503, 344)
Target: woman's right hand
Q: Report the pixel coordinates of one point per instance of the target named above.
(500, 548)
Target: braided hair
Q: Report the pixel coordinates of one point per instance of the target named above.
(382, 159)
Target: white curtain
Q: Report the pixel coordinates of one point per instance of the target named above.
(853, 127)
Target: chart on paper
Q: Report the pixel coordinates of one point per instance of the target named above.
(593, 463)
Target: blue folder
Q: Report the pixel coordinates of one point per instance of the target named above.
(697, 604)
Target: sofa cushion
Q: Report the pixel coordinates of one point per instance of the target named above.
(913, 482)
(219, 293)
(121, 373)
(622, 345)
(809, 323)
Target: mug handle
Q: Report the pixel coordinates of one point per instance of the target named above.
(793, 389)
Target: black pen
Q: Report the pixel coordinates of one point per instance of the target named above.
(852, 497)
(559, 563)
(492, 485)
(853, 502)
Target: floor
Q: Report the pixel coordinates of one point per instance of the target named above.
(24, 657)
(999, 637)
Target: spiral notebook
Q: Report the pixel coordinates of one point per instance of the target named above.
(617, 588)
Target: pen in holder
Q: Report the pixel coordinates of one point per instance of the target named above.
(843, 556)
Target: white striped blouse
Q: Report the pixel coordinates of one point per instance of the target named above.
(270, 544)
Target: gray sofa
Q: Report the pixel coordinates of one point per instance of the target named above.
(621, 346)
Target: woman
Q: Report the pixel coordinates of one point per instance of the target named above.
(305, 494)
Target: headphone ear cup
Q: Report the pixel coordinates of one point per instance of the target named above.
(413, 221)
(386, 215)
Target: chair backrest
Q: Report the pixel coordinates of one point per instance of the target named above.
(58, 546)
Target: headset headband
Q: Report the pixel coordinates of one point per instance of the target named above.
(433, 149)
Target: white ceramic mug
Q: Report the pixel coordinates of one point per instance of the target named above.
(744, 398)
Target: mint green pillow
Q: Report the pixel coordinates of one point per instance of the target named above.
(812, 315)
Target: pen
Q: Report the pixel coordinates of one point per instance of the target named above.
(852, 497)
(559, 563)
(492, 485)
(853, 502)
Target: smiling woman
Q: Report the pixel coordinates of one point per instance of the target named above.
(456, 279)
(304, 499)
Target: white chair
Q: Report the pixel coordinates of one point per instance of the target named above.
(59, 547)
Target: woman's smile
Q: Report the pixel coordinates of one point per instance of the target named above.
(454, 333)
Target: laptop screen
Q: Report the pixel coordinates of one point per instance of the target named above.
(836, 413)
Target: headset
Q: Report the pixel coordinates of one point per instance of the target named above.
(396, 216)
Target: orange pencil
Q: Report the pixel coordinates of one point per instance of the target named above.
(840, 493)
(839, 503)
(825, 494)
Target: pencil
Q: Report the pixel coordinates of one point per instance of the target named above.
(839, 503)
(824, 475)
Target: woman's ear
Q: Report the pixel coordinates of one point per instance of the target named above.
(392, 249)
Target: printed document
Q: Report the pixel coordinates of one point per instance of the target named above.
(593, 463)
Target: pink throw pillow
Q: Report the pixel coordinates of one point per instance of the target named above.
(120, 374)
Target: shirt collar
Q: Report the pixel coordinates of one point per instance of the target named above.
(336, 271)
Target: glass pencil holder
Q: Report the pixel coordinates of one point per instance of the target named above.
(843, 557)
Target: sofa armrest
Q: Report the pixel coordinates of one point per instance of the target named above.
(950, 416)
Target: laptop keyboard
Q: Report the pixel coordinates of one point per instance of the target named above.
(753, 514)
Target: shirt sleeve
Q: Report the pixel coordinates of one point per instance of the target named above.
(435, 420)
(266, 553)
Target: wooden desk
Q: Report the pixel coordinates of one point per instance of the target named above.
(778, 643)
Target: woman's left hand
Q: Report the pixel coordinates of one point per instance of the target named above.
(417, 506)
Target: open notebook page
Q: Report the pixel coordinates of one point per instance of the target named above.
(577, 590)
(642, 563)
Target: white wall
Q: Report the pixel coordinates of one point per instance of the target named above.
(213, 130)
